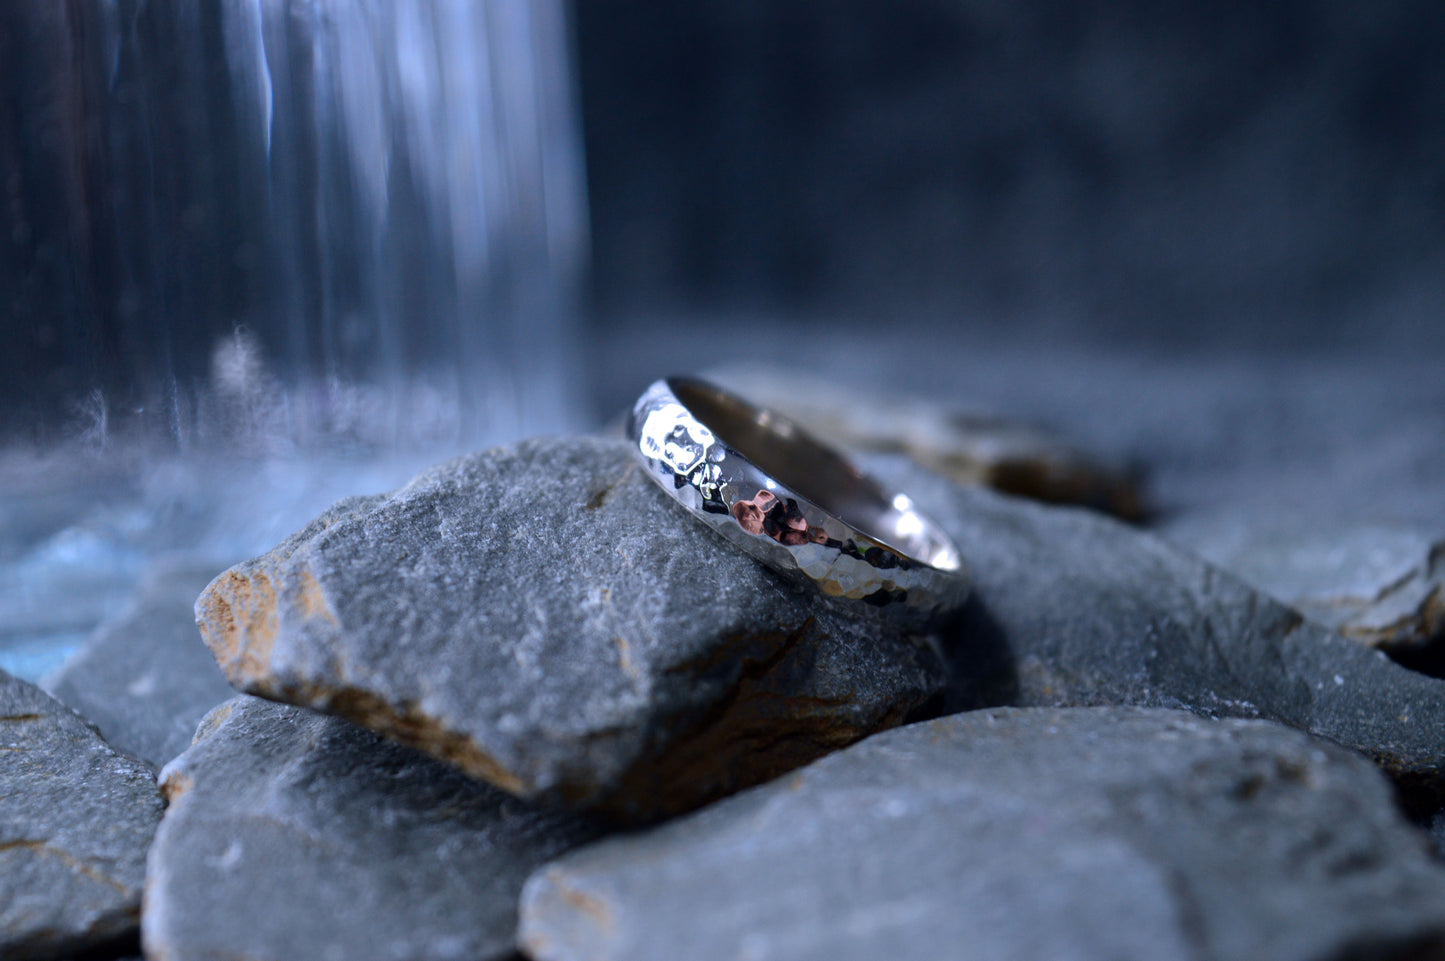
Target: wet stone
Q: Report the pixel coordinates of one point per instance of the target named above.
(1073, 608)
(1380, 584)
(968, 447)
(1103, 833)
(545, 618)
(75, 821)
(293, 835)
(145, 678)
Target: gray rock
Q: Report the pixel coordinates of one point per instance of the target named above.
(547, 619)
(144, 678)
(1380, 584)
(969, 447)
(75, 821)
(1074, 608)
(295, 835)
(1109, 833)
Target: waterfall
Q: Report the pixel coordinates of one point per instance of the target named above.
(383, 198)
(261, 254)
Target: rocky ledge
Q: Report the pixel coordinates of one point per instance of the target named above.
(544, 618)
(75, 820)
(1086, 834)
(1071, 608)
(966, 446)
(292, 835)
(1377, 583)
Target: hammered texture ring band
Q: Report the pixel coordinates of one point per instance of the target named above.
(795, 504)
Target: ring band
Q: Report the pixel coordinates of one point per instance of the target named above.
(794, 504)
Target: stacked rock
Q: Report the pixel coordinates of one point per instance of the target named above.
(525, 704)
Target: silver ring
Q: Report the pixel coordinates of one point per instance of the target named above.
(794, 504)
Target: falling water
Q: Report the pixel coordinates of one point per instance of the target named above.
(261, 254)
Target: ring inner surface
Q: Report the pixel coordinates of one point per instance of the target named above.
(793, 458)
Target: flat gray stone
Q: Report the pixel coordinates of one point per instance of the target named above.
(970, 447)
(1104, 833)
(1073, 608)
(145, 678)
(545, 618)
(75, 821)
(1377, 583)
(295, 835)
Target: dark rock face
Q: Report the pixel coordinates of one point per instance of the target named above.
(970, 448)
(295, 835)
(145, 678)
(545, 618)
(74, 825)
(1072, 608)
(1113, 833)
(1380, 584)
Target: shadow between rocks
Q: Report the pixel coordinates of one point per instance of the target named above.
(1073, 609)
(982, 669)
(1428, 660)
(126, 947)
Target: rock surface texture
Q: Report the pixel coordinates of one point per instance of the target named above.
(1380, 584)
(75, 820)
(970, 448)
(1073, 608)
(1108, 833)
(295, 835)
(545, 618)
(145, 678)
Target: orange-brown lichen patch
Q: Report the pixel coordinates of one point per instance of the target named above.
(79, 866)
(1413, 630)
(405, 724)
(624, 660)
(589, 904)
(1432, 615)
(175, 784)
(238, 620)
(1058, 478)
(212, 721)
(600, 497)
(756, 733)
(311, 600)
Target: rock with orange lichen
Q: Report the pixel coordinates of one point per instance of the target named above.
(969, 447)
(544, 618)
(75, 820)
(1380, 584)
(293, 835)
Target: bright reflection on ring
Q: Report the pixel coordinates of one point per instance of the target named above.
(795, 504)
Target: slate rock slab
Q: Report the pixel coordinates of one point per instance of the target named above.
(1073, 608)
(1377, 583)
(291, 834)
(75, 820)
(1104, 833)
(144, 678)
(545, 618)
(969, 447)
